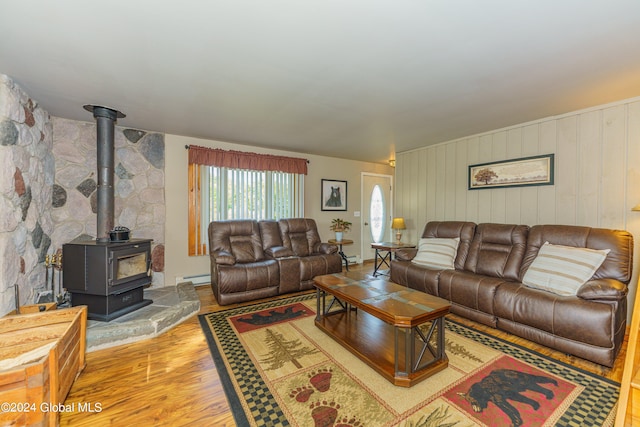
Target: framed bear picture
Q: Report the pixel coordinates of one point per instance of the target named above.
(333, 195)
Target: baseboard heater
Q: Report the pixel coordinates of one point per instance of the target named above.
(205, 279)
(197, 280)
(353, 259)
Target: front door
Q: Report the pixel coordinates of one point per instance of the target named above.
(376, 211)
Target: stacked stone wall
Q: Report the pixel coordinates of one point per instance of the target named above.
(48, 191)
(27, 171)
(138, 186)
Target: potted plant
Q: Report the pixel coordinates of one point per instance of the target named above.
(339, 226)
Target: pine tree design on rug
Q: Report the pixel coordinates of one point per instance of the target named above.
(437, 418)
(453, 348)
(460, 350)
(283, 351)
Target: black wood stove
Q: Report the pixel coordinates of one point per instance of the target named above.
(108, 276)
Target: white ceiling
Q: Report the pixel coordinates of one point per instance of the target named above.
(356, 79)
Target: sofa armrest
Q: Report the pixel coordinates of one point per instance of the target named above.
(406, 254)
(223, 258)
(278, 252)
(327, 248)
(603, 289)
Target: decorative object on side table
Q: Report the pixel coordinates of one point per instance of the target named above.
(339, 226)
(398, 225)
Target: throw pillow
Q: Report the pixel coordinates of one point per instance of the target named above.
(563, 269)
(437, 253)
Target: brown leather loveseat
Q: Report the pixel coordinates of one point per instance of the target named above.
(258, 259)
(485, 282)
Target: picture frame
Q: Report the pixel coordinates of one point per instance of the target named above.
(333, 195)
(521, 172)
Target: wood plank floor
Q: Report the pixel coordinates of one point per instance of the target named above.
(171, 380)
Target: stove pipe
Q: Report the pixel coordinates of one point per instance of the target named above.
(105, 121)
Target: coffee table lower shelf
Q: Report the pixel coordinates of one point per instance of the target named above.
(374, 342)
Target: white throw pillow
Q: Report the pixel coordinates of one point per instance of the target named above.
(437, 253)
(563, 269)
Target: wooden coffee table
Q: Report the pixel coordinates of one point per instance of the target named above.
(385, 325)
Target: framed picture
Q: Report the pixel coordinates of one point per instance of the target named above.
(535, 170)
(333, 195)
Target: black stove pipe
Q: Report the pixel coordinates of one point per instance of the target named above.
(105, 122)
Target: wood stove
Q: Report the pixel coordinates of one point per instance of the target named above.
(108, 277)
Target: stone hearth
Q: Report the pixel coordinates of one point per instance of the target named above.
(171, 306)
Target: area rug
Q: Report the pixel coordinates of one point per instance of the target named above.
(279, 369)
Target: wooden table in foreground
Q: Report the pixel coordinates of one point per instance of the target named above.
(385, 325)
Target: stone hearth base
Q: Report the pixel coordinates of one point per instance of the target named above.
(171, 306)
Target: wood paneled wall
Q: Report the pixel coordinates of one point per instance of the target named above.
(597, 175)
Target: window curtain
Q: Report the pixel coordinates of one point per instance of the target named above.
(243, 160)
(201, 158)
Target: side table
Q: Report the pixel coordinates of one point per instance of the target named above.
(385, 259)
(340, 243)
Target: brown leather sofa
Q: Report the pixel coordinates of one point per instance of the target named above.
(485, 285)
(258, 259)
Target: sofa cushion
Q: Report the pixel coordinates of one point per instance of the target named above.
(617, 265)
(317, 265)
(415, 276)
(300, 235)
(243, 249)
(474, 291)
(239, 238)
(464, 230)
(589, 322)
(563, 269)
(437, 253)
(497, 250)
(270, 234)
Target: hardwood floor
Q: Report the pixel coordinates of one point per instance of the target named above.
(171, 380)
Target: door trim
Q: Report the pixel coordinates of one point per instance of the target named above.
(362, 202)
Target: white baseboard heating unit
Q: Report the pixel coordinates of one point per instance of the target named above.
(205, 279)
(354, 259)
(197, 280)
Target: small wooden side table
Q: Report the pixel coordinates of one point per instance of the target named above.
(389, 248)
(340, 243)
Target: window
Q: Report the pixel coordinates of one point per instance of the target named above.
(220, 192)
(376, 210)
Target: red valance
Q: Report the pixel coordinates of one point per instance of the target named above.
(243, 160)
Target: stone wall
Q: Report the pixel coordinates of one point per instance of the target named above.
(48, 190)
(26, 178)
(139, 185)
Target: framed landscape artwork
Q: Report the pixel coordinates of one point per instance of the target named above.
(535, 170)
(333, 195)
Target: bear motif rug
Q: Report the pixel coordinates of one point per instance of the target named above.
(279, 369)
